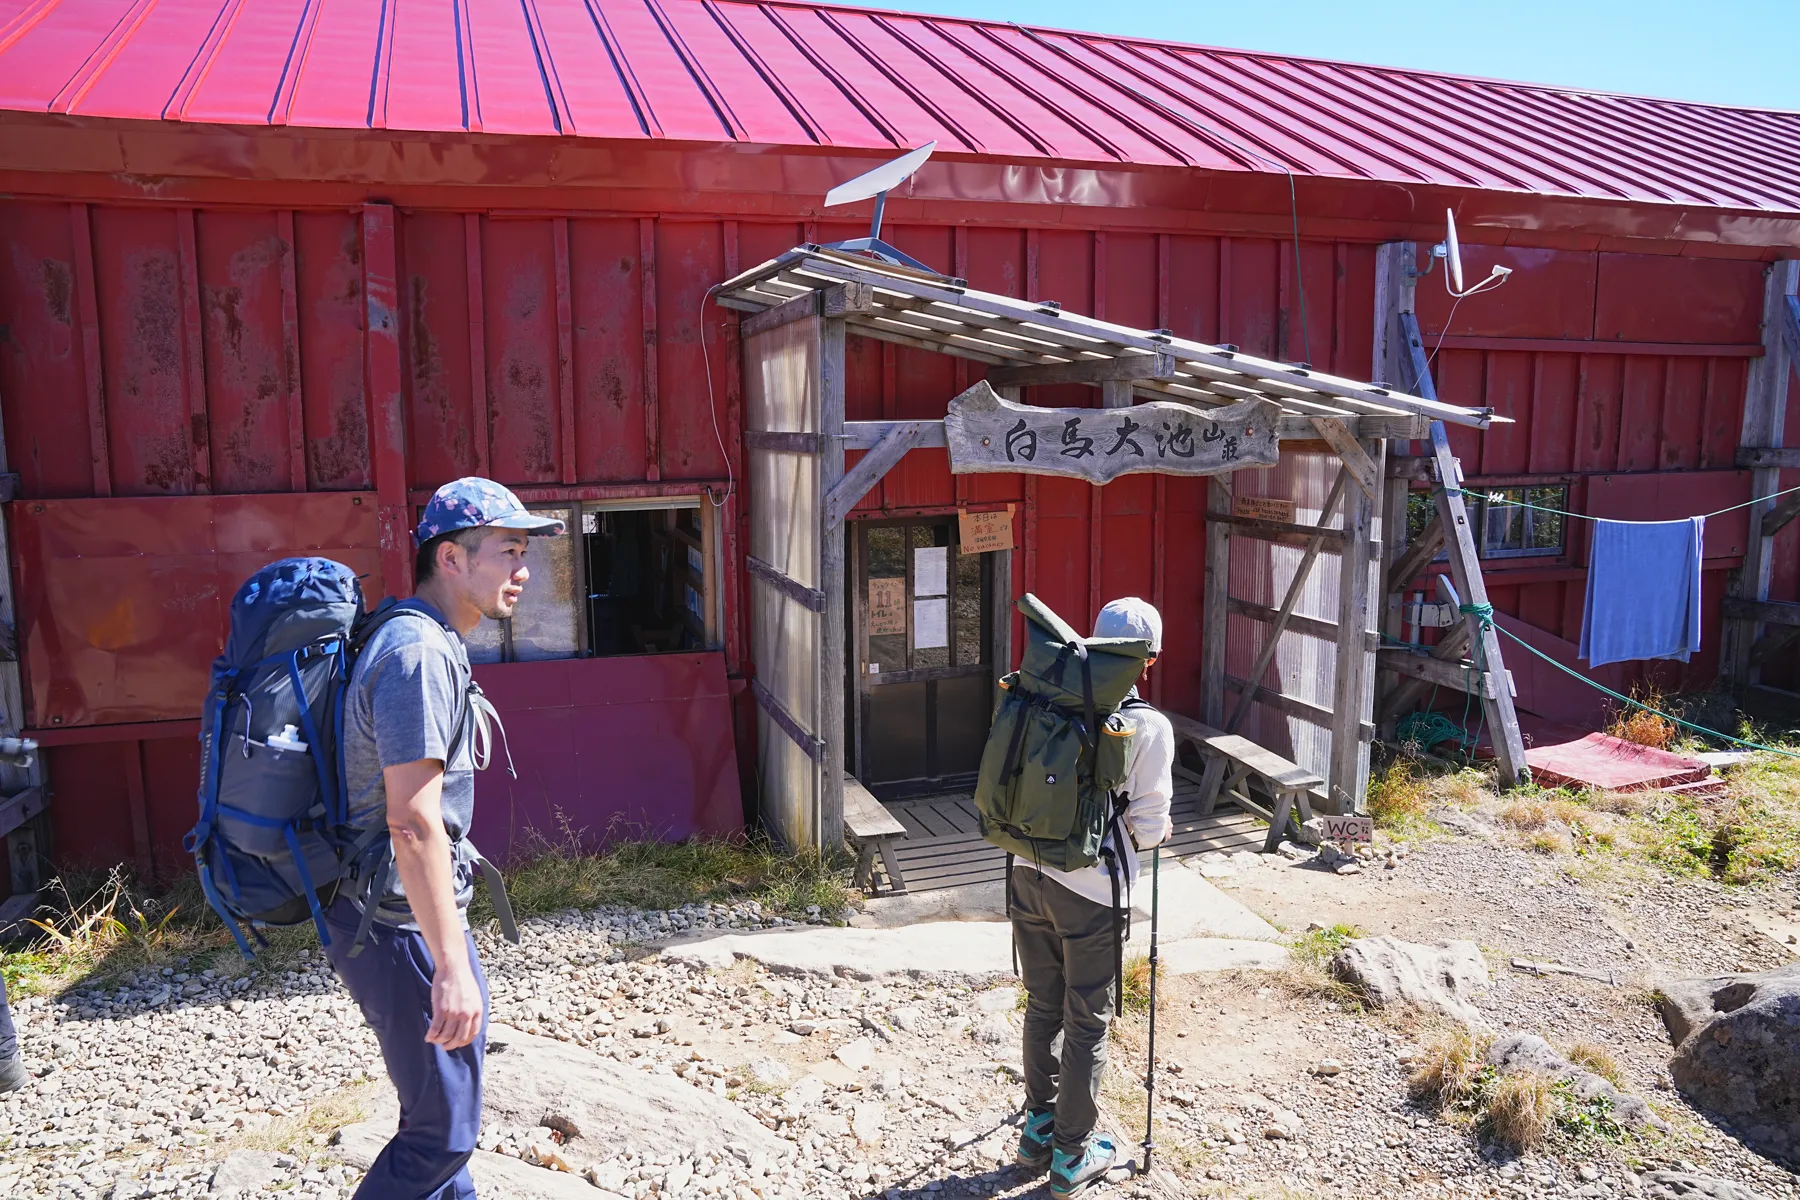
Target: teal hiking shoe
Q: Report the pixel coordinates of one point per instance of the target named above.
(1037, 1140)
(1073, 1174)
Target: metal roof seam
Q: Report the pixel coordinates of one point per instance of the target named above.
(1049, 105)
(24, 21)
(1703, 124)
(628, 80)
(201, 64)
(1142, 129)
(772, 78)
(1104, 48)
(465, 66)
(721, 107)
(976, 94)
(970, 141)
(831, 73)
(281, 100)
(548, 78)
(101, 57)
(384, 65)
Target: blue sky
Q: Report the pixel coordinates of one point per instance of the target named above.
(1719, 51)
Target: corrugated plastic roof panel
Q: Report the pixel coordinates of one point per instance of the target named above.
(815, 75)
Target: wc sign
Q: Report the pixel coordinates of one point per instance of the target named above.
(1347, 829)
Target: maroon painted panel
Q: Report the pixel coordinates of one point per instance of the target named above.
(1664, 496)
(519, 311)
(1649, 298)
(240, 266)
(43, 378)
(689, 260)
(331, 320)
(122, 602)
(1550, 294)
(638, 746)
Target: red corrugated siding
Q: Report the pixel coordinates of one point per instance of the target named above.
(217, 348)
(813, 75)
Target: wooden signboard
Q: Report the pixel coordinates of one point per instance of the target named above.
(1263, 508)
(986, 433)
(985, 532)
(887, 606)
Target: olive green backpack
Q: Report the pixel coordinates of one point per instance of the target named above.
(1057, 751)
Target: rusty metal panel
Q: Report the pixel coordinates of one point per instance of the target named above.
(436, 324)
(42, 373)
(1657, 298)
(519, 313)
(689, 260)
(122, 601)
(330, 321)
(1671, 496)
(240, 258)
(609, 350)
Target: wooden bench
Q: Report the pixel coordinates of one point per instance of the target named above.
(1222, 752)
(874, 830)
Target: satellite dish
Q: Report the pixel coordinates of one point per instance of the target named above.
(881, 180)
(1455, 252)
(878, 183)
(1450, 250)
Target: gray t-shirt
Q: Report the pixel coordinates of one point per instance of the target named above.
(408, 700)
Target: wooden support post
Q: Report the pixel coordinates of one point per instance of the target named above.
(1765, 418)
(1393, 549)
(832, 538)
(1352, 701)
(1215, 604)
(23, 794)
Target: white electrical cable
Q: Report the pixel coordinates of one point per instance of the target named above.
(712, 408)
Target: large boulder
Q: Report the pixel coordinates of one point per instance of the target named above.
(1738, 1053)
(1525, 1052)
(1442, 977)
(1683, 1185)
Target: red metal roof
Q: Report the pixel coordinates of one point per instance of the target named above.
(816, 75)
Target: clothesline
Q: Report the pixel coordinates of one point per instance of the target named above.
(1502, 498)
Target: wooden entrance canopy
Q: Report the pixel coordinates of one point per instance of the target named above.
(804, 303)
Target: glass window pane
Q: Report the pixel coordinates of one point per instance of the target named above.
(546, 622)
(970, 599)
(884, 598)
(487, 641)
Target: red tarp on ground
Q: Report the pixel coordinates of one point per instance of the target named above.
(1610, 763)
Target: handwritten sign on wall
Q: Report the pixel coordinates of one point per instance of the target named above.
(987, 433)
(985, 532)
(1263, 508)
(887, 606)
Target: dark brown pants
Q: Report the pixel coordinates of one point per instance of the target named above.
(1066, 961)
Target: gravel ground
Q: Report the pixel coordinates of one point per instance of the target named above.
(898, 1090)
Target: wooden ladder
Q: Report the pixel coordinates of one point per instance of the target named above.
(1450, 663)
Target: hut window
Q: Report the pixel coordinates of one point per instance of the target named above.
(1510, 530)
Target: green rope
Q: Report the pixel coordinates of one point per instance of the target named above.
(1484, 617)
(1426, 729)
(1501, 498)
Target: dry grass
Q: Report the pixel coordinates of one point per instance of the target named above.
(1447, 1073)
(1550, 841)
(1467, 788)
(1135, 984)
(1599, 1060)
(1398, 795)
(1522, 1110)
(1308, 970)
(1623, 804)
(1529, 813)
(1633, 724)
(302, 1133)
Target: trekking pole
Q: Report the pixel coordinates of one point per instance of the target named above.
(1150, 1073)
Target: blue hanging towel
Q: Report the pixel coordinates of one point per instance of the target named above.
(1643, 591)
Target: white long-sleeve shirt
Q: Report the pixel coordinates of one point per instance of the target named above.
(1149, 781)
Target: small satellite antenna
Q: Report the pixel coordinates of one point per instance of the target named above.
(878, 183)
(1450, 250)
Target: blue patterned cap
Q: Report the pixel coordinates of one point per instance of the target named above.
(474, 503)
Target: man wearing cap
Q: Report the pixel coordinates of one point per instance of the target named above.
(409, 764)
(1063, 928)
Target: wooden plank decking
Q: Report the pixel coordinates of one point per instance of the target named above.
(943, 850)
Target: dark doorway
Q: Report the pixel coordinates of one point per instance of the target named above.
(921, 662)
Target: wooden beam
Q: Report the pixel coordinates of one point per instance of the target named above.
(1777, 518)
(771, 704)
(1774, 642)
(1356, 461)
(1272, 637)
(1281, 531)
(1411, 467)
(1125, 368)
(1460, 675)
(1763, 437)
(866, 435)
(1781, 457)
(901, 437)
(1352, 698)
(1790, 330)
(1417, 556)
(1293, 706)
(16, 810)
(832, 573)
(838, 300)
(809, 598)
(1773, 612)
(1311, 626)
(1450, 648)
(782, 442)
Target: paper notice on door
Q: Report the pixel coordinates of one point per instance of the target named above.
(887, 606)
(985, 532)
(931, 571)
(931, 623)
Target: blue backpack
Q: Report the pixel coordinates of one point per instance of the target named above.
(274, 840)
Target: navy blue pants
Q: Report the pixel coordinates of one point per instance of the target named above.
(440, 1090)
(9, 1038)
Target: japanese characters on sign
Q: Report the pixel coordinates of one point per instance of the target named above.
(1264, 508)
(988, 433)
(984, 532)
(887, 606)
